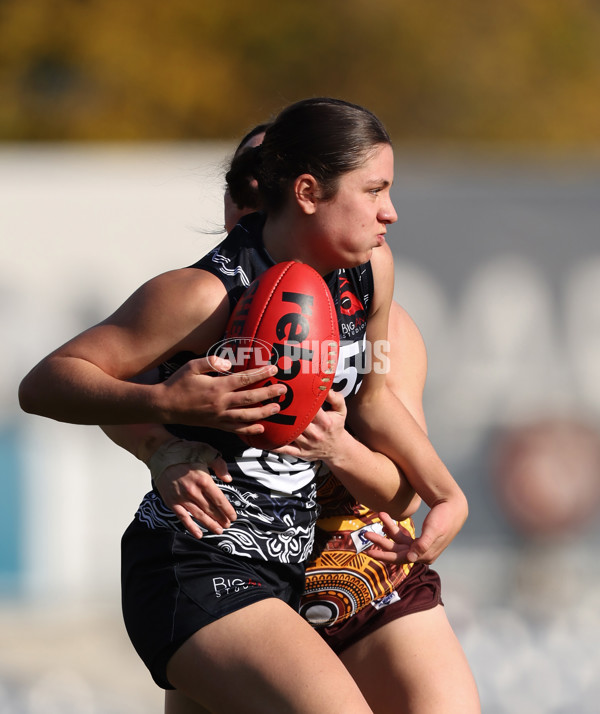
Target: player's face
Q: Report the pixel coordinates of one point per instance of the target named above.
(355, 220)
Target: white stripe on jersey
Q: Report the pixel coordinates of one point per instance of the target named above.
(222, 261)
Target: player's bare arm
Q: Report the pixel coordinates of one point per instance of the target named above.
(86, 380)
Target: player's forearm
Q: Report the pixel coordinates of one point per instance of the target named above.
(141, 440)
(372, 478)
(76, 391)
(387, 426)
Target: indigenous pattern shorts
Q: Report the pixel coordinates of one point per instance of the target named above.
(421, 590)
(341, 577)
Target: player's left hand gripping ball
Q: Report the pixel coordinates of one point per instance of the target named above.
(286, 317)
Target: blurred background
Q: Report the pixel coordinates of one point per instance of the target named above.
(117, 120)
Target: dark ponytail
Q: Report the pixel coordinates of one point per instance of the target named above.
(242, 178)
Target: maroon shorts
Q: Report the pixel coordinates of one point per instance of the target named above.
(420, 590)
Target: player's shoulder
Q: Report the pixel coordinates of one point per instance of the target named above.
(402, 323)
(183, 279)
(407, 349)
(185, 294)
(382, 260)
(382, 266)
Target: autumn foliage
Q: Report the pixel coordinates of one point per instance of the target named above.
(434, 70)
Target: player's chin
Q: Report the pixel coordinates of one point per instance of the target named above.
(358, 258)
(368, 255)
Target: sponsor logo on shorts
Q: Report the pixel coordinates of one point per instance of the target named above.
(360, 541)
(230, 586)
(385, 601)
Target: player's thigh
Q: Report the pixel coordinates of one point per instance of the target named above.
(263, 658)
(414, 665)
(178, 703)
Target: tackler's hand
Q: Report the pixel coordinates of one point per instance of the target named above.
(440, 526)
(181, 473)
(394, 546)
(320, 439)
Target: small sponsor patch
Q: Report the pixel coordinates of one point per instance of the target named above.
(385, 601)
(358, 537)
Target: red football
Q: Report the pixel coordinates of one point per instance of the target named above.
(286, 317)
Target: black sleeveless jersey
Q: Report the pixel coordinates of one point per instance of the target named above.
(274, 496)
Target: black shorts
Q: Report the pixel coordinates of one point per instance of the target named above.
(420, 590)
(173, 585)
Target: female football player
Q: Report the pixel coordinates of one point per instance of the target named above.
(215, 617)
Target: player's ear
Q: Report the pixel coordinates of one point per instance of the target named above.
(306, 193)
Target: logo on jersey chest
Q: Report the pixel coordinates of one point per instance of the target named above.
(352, 319)
(352, 313)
